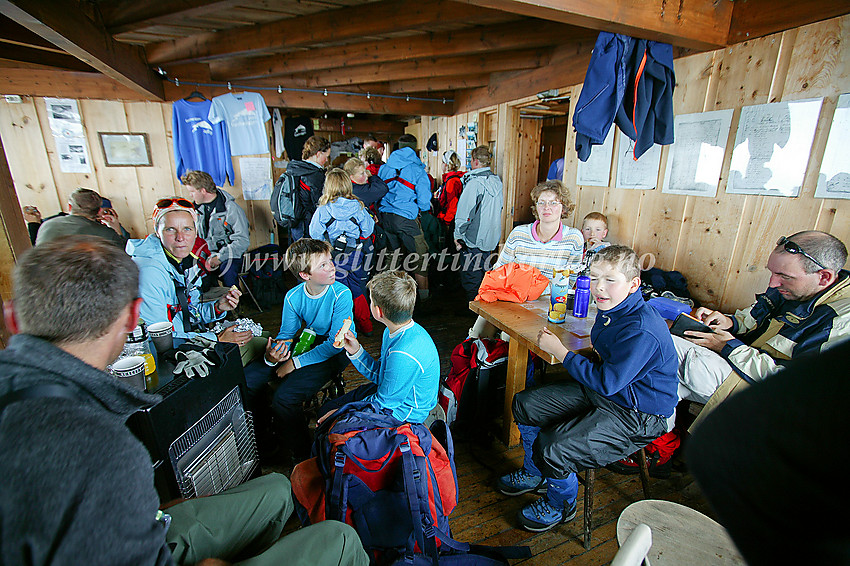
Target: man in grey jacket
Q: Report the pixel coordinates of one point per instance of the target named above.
(77, 485)
(221, 223)
(478, 222)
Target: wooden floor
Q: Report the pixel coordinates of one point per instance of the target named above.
(485, 516)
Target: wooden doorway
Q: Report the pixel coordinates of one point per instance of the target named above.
(542, 138)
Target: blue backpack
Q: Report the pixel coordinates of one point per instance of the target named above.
(393, 481)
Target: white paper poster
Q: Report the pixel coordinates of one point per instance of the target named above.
(63, 114)
(73, 155)
(596, 171)
(256, 178)
(640, 174)
(834, 177)
(772, 148)
(696, 157)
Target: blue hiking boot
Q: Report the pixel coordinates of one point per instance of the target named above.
(519, 482)
(541, 516)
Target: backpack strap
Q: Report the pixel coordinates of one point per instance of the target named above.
(404, 182)
(55, 390)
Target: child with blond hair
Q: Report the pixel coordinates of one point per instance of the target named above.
(406, 377)
(342, 220)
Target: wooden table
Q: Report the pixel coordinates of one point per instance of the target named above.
(680, 535)
(522, 322)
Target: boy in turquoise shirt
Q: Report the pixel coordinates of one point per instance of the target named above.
(407, 377)
(322, 305)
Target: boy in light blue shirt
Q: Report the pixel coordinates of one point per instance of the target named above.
(407, 377)
(320, 304)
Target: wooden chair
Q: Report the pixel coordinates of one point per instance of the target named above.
(589, 480)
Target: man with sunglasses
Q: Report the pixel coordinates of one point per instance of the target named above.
(170, 280)
(805, 310)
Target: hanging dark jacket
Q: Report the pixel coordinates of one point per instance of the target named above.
(629, 81)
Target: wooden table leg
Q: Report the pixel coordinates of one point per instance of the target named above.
(514, 383)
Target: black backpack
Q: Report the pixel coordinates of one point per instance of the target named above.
(284, 201)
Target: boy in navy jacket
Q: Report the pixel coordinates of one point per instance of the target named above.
(320, 304)
(612, 408)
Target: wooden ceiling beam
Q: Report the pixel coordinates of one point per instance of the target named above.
(757, 18)
(445, 67)
(436, 84)
(567, 66)
(66, 84)
(503, 37)
(72, 31)
(331, 102)
(39, 56)
(343, 24)
(360, 125)
(698, 24)
(120, 16)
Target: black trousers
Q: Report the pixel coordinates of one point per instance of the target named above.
(581, 429)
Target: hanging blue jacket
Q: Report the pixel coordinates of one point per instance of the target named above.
(629, 81)
(157, 277)
(639, 364)
(412, 195)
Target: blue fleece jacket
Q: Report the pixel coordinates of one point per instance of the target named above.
(324, 313)
(401, 199)
(156, 288)
(341, 217)
(639, 364)
(629, 81)
(408, 374)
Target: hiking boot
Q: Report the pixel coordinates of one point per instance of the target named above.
(629, 466)
(541, 516)
(519, 482)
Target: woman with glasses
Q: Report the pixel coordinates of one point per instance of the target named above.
(169, 279)
(546, 243)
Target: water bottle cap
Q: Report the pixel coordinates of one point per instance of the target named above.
(583, 282)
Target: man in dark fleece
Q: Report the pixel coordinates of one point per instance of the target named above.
(77, 485)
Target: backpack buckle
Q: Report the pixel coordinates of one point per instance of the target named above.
(339, 459)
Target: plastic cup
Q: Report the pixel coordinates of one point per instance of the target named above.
(162, 334)
(131, 371)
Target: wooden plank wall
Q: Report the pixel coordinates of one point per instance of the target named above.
(39, 180)
(720, 244)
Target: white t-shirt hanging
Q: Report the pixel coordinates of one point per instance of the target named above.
(244, 114)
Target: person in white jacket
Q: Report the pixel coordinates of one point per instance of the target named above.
(478, 221)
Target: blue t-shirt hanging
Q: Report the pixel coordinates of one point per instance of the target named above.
(199, 145)
(245, 115)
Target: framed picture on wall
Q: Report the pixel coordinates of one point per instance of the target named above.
(122, 149)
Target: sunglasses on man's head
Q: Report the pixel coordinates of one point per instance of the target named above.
(166, 202)
(794, 248)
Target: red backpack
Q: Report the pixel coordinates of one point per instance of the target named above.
(392, 481)
(471, 356)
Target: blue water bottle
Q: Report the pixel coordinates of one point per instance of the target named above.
(582, 301)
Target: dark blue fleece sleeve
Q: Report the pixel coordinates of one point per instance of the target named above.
(633, 351)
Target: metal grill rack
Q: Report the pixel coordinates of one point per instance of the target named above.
(217, 452)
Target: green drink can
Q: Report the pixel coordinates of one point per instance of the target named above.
(305, 342)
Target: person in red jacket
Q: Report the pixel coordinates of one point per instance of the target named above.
(449, 192)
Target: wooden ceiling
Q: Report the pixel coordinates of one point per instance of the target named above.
(389, 57)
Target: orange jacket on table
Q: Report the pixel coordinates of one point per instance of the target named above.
(515, 282)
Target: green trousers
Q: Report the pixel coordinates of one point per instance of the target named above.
(242, 525)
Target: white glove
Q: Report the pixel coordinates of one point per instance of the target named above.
(194, 365)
